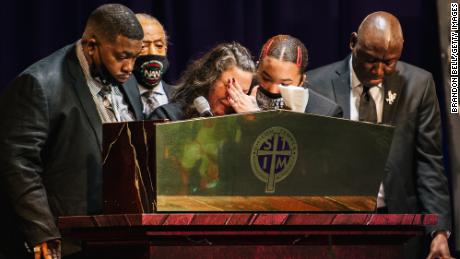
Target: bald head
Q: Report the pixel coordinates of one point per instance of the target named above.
(381, 29)
(376, 47)
(155, 40)
(149, 18)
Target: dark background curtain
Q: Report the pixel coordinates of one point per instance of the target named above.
(34, 29)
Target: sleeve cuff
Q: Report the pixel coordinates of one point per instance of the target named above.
(444, 232)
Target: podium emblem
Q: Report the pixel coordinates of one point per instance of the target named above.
(273, 156)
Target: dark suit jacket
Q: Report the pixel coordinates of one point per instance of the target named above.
(415, 180)
(320, 105)
(170, 111)
(50, 148)
(169, 89)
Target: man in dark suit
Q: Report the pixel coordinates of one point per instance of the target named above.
(152, 64)
(51, 130)
(372, 85)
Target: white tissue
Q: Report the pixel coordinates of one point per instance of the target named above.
(295, 97)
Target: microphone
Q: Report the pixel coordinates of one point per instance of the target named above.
(202, 107)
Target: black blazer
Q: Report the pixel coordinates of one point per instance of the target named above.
(50, 148)
(170, 111)
(415, 181)
(320, 105)
(169, 89)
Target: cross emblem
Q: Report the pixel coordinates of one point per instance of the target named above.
(273, 157)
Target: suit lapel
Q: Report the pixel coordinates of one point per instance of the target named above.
(392, 94)
(83, 93)
(169, 90)
(341, 85)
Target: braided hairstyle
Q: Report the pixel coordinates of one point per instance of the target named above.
(286, 48)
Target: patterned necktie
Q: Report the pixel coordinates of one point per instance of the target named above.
(105, 94)
(367, 109)
(150, 102)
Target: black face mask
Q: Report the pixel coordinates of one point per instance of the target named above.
(102, 74)
(149, 69)
(269, 101)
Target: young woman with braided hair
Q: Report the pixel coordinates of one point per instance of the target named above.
(283, 61)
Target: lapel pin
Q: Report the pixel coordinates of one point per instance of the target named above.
(391, 97)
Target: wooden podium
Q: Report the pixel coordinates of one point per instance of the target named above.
(244, 186)
(267, 161)
(245, 235)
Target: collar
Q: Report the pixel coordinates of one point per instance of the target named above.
(156, 90)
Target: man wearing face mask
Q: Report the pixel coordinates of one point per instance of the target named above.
(51, 131)
(152, 64)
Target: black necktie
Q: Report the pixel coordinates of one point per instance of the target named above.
(367, 110)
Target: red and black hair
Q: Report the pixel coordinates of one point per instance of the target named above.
(286, 48)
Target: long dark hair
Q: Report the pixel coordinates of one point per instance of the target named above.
(200, 75)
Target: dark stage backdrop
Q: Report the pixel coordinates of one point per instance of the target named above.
(34, 29)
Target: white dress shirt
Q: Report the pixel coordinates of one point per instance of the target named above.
(356, 90)
(377, 93)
